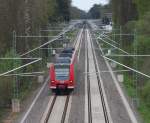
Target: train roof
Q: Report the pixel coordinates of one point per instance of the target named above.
(68, 50)
(65, 55)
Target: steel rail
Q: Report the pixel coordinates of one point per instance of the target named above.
(50, 109)
(125, 102)
(88, 86)
(65, 109)
(100, 87)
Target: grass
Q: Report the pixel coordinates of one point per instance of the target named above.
(128, 83)
(144, 91)
(144, 108)
(145, 112)
(26, 91)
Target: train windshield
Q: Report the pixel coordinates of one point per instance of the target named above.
(62, 72)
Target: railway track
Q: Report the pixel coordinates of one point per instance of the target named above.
(76, 40)
(97, 109)
(56, 110)
(88, 84)
(58, 107)
(100, 87)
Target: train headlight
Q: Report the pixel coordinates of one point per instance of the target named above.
(52, 81)
(71, 81)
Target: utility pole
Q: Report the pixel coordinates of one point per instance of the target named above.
(15, 100)
(121, 44)
(135, 65)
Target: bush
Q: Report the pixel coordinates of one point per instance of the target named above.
(129, 85)
(6, 65)
(143, 44)
(6, 83)
(146, 94)
(130, 26)
(143, 24)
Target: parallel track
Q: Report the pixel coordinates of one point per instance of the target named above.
(52, 107)
(65, 110)
(65, 100)
(88, 85)
(51, 114)
(100, 88)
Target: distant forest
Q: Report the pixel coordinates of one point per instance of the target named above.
(27, 16)
(133, 17)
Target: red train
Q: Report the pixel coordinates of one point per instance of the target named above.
(62, 73)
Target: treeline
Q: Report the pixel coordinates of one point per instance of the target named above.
(127, 10)
(124, 11)
(27, 16)
(134, 17)
(77, 13)
(99, 11)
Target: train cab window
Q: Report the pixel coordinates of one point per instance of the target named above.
(62, 72)
(66, 55)
(63, 60)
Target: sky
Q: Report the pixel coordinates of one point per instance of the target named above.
(87, 4)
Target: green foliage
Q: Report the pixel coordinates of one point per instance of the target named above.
(130, 26)
(143, 44)
(123, 15)
(63, 10)
(99, 11)
(143, 6)
(124, 11)
(106, 9)
(52, 10)
(143, 24)
(22, 15)
(144, 107)
(145, 102)
(128, 82)
(145, 112)
(146, 94)
(77, 13)
(95, 12)
(6, 83)
(6, 65)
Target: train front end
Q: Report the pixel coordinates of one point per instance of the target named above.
(62, 77)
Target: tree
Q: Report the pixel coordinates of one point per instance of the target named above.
(77, 13)
(26, 16)
(63, 9)
(124, 11)
(143, 6)
(95, 12)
